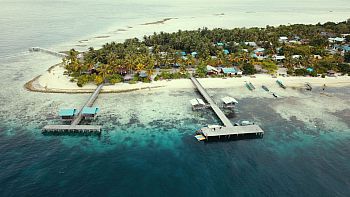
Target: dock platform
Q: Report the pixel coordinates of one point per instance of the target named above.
(228, 129)
(231, 131)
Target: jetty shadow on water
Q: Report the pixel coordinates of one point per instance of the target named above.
(77, 134)
(233, 138)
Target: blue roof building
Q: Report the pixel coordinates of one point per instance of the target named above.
(346, 48)
(226, 52)
(67, 112)
(194, 54)
(220, 44)
(183, 53)
(259, 50)
(143, 74)
(310, 69)
(90, 111)
(228, 70)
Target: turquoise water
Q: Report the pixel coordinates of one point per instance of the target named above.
(147, 146)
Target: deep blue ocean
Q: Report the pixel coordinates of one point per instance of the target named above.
(147, 147)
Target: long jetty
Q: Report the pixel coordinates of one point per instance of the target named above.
(228, 129)
(75, 127)
(89, 103)
(212, 104)
(48, 51)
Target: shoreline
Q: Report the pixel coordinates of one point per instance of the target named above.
(53, 81)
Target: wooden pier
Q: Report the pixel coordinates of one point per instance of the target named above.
(48, 51)
(228, 129)
(89, 103)
(212, 104)
(75, 127)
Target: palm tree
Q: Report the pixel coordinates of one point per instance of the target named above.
(139, 67)
(150, 70)
(104, 70)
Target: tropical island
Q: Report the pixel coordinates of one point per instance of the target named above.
(318, 50)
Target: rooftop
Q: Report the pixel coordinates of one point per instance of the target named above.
(197, 101)
(67, 112)
(228, 100)
(228, 70)
(90, 110)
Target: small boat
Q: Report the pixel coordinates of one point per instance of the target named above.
(251, 85)
(275, 95)
(265, 88)
(281, 84)
(248, 86)
(200, 137)
(308, 86)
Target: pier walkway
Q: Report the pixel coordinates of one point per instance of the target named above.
(89, 103)
(228, 129)
(48, 51)
(213, 105)
(75, 127)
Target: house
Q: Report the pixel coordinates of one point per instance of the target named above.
(310, 69)
(229, 102)
(259, 57)
(194, 54)
(279, 57)
(143, 74)
(346, 48)
(183, 53)
(212, 70)
(67, 114)
(296, 38)
(219, 44)
(296, 56)
(294, 42)
(197, 104)
(259, 51)
(331, 73)
(252, 44)
(283, 39)
(229, 71)
(318, 57)
(90, 112)
(226, 52)
(128, 77)
(336, 40)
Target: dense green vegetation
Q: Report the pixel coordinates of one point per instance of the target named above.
(217, 47)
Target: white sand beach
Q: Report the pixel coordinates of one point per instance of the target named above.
(54, 81)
